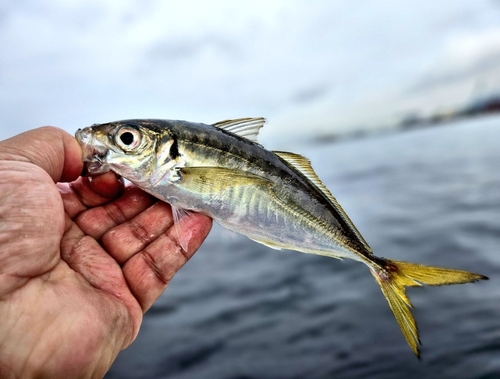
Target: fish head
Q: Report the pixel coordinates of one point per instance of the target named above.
(130, 148)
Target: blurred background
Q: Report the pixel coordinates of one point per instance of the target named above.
(394, 102)
(311, 68)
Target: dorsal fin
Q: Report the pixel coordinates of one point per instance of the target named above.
(244, 127)
(303, 165)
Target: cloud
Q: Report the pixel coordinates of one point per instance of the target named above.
(330, 65)
(464, 56)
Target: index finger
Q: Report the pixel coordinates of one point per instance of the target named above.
(97, 221)
(88, 192)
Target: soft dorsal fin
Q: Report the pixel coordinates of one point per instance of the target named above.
(244, 127)
(303, 165)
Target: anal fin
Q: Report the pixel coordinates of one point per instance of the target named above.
(269, 244)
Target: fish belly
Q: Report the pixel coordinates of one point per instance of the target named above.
(263, 215)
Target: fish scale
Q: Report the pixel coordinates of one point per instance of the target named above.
(274, 198)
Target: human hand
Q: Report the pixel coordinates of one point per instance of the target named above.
(80, 260)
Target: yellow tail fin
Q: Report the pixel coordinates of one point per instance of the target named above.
(393, 277)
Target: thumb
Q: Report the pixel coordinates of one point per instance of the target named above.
(50, 148)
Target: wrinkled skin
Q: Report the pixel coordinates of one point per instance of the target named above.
(80, 260)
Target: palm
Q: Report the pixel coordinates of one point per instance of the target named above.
(79, 264)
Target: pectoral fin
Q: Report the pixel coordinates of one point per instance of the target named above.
(213, 179)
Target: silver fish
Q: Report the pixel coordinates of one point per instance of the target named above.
(273, 197)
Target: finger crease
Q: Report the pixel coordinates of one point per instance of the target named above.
(115, 212)
(151, 262)
(140, 232)
(177, 243)
(184, 254)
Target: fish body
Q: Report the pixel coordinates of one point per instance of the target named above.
(274, 198)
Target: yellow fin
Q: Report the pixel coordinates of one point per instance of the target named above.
(303, 166)
(394, 276)
(214, 179)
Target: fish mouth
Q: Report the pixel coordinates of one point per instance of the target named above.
(94, 152)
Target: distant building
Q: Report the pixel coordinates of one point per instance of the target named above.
(485, 105)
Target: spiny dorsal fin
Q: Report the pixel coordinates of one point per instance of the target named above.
(303, 165)
(244, 127)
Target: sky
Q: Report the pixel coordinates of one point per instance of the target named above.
(309, 67)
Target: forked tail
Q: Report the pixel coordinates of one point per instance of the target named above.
(394, 276)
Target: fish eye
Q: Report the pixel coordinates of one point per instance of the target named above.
(128, 138)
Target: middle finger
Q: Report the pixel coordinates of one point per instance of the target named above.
(127, 239)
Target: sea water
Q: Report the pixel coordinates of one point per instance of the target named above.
(240, 310)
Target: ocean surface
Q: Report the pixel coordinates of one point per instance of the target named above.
(239, 310)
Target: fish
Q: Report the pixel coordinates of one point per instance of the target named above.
(273, 197)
